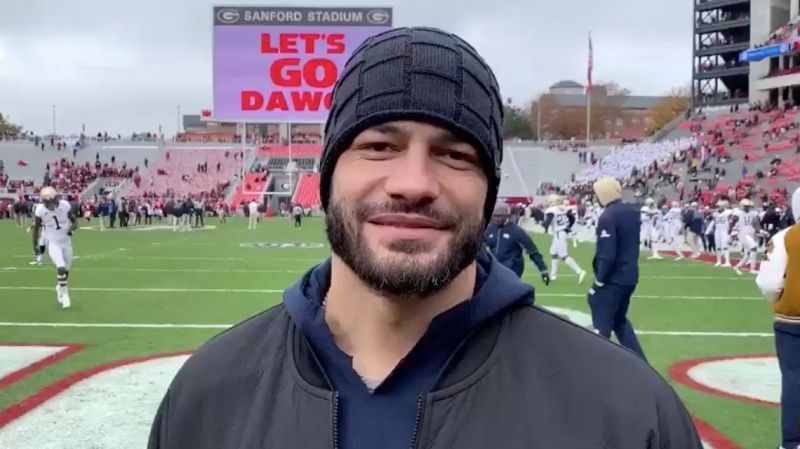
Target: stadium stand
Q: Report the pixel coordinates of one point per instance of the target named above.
(626, 161)
(250, 188)
(736, 154)
(297, 150)
(188, 171)
(307, 192)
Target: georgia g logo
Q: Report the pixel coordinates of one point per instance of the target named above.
(228, 15)
(378, 16)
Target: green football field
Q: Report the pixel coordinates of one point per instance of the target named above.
(143, 292)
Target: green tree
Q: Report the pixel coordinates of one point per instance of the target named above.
(673, 105)
(517, 123)
(7, 128)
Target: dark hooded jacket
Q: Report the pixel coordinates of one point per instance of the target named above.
(512, 376)
(508, 243)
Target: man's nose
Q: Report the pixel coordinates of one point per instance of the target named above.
(414, 176)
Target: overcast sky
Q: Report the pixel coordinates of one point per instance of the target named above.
(125, 66)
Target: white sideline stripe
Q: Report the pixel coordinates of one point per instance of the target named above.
(226, 326)
(258, 290)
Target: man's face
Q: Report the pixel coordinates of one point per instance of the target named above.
(499, 219)
(406, 207)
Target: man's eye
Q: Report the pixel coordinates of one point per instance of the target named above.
(460, 158)
(378, 147)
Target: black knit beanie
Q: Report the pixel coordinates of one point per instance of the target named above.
(420, 74)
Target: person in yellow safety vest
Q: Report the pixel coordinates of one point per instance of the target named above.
(779, 281)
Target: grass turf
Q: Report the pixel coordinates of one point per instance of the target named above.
(214, 277)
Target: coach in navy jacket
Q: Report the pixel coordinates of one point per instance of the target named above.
(616, 265)
(507, 241)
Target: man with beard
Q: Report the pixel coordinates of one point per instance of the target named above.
(411, 334)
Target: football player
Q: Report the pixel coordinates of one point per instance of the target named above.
(561, 220)
(746, 226)
(721, 223)
(55, 218)
(39, 247)
(673, 223)
(651, 218)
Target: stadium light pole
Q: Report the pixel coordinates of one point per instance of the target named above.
(54, 120)
(178, 122)
(539, 120)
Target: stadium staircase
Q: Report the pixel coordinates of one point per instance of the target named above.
(307, 192)
(670, 131)
(251, 188)
(239, 184)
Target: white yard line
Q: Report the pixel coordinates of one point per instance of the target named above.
(155, 270)
(225, 326)
(119, 325)
(147, 289)
(257, 290)
(638, 296)
(705, 334)
(744, 277)
(145, 258)
(11, 269)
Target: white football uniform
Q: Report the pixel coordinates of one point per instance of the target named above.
(721, 235)
(674, 222)
(647, 223)
(559, 225)
(42, 236)
(656, 224)
(594, 217)
(56, 226)
(746, 228)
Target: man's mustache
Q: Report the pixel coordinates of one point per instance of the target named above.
(428, 210)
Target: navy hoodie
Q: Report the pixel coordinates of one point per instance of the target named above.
(616, 259)
(386, 417)
(507, 243)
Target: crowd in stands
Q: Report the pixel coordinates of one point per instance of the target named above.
(13, 184)
(633, 159)
(69, 176)
(782, 34)
(254, 139)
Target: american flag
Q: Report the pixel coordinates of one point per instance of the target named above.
(591, 64)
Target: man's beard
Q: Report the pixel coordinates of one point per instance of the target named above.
(403, 275)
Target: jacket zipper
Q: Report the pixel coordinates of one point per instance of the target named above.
(417, 422)
(336, 420)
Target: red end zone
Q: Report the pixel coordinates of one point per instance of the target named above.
(20, 418)
(26, 405)
(28, 369)
(682, 372)
(711, 436)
